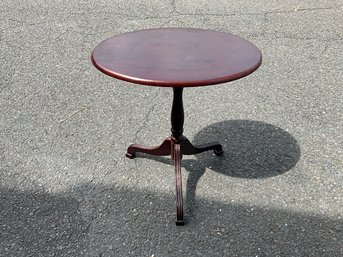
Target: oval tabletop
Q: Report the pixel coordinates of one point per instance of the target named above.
(176, 57)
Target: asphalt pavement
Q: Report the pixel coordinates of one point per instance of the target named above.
(66, 188)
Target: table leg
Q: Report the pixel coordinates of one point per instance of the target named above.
(189, 149)
(177, 156)
(161, 150)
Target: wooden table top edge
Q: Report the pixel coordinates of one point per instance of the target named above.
(193, 83)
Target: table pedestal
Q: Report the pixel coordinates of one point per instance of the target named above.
(175, 146)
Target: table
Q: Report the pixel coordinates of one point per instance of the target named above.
(177, 58)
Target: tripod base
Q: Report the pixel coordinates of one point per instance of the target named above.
(175, 148)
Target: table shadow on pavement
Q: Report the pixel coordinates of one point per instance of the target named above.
(252, 149)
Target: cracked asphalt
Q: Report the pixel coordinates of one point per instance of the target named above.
(66, 188)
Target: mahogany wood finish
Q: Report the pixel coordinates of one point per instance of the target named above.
(161, 150)
(165, 148)
(177, 113)
(178, 58)
(177, 156)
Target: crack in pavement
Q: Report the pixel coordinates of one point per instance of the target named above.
(175, 10)
(147, 116)
(173, 3)
(170, 15)
(145, 121)
(114, 166)
(306, 38)
(325, 48)
(319, 8)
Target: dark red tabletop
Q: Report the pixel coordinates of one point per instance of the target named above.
(176, 57)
